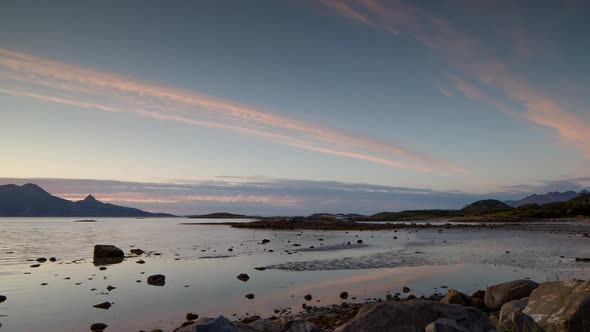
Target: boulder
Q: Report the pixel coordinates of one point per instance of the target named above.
(414, 316)
(156, 280)
(107, 251)
(513, 319)
(455, 297)
(444, 325)
(266, 325)
(219, 324)
(561, 306)
(105, 254)
(497, 295)
(305, 327)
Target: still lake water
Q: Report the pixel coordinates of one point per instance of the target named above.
(423, 260)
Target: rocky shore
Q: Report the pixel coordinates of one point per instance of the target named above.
(515, 306)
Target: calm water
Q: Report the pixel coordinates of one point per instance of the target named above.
(197, 256)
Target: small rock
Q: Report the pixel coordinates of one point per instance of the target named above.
(2, 298)
(41, 259)
(307, 297)
(141, 261)
(344, 295)
(260, 268)
(243, 277)
(359, 241)
(265, 241)
(102, 268)
(406, 289)
(104, 305)
(250, 296)
(98, 327)
(137, 251)
(110, 288)
(191, 316)
(35, 265)
(156, 280)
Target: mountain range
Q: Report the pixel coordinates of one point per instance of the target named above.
(30, 200)
(551, 197)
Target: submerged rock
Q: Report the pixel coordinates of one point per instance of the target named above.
(156, 280)
(499, 294)
(391, 316)
(561, 305)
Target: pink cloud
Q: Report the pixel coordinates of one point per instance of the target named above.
(467, 55)
(88, 88)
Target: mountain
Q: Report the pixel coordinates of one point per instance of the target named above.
(30, 200)
(486, 206)
(550, 197)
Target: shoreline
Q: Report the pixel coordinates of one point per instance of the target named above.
(517, 306)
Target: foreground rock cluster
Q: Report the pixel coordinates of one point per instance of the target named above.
(516, 306)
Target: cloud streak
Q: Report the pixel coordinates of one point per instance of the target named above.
(468, 57)
(29, 76)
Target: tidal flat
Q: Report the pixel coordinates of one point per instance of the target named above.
(201, 264)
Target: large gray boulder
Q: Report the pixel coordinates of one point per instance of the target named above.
(219, 324)
(414, 316)
(497, 295)
(561, 306)
(445, 325)
(513, 319)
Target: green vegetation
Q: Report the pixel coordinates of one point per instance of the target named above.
(578, 206)
(486, 206)
(490, 208)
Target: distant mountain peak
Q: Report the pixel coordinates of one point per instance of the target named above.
(550, 197)
(30, 200)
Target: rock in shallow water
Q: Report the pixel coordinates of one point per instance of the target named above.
(499, 294)
(104, 305)
(156, 280)
(2, 298)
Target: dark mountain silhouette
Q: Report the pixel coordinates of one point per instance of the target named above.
(551, 197)
(30, 200)
(486, 206)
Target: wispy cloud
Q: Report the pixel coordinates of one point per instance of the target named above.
(42, 79)
(468, 56)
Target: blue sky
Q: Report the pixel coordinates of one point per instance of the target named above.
(461, 99)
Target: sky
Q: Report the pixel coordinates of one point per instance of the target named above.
(294, 107)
